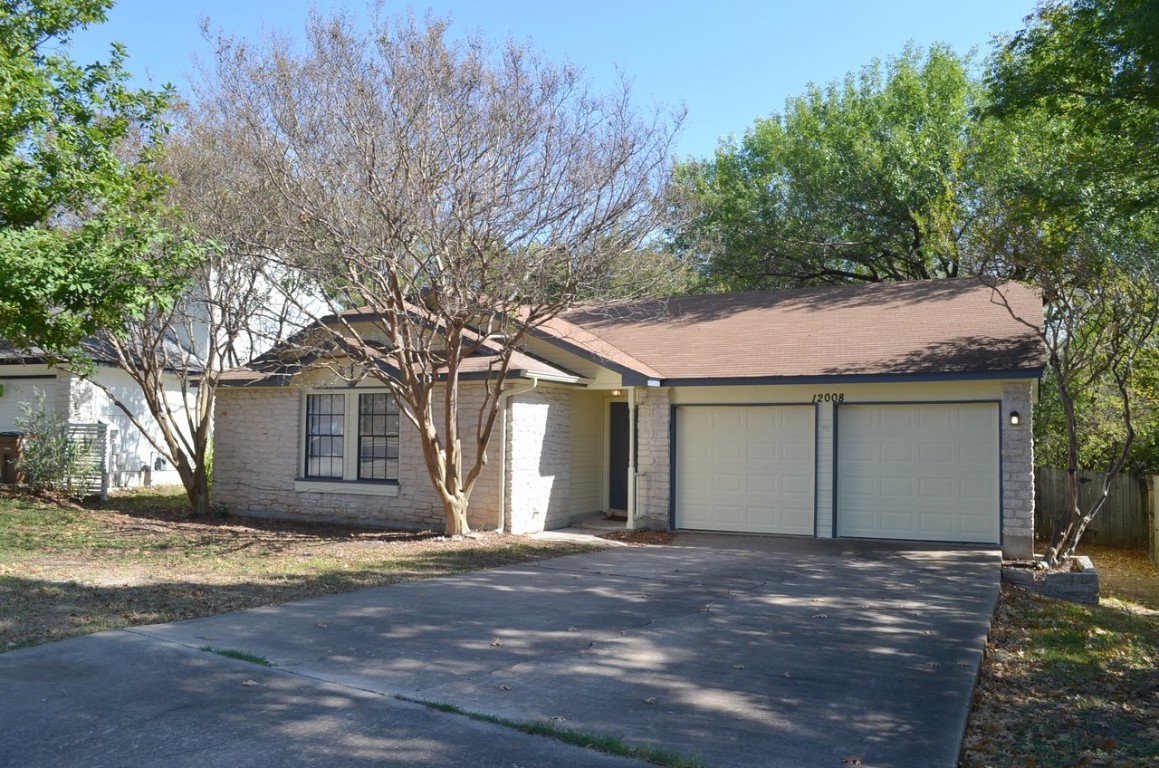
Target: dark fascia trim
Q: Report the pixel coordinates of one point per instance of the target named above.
(276, 380)
(109, 365)
(854, 378)
(43, 377)
(60, 364)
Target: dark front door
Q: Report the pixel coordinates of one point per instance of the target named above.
(618, 456)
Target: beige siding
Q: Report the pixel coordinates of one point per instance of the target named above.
(597, 375)
(587, 452)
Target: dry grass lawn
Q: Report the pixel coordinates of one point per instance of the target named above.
(1062, 684)
(1071, 685)
(69, 570)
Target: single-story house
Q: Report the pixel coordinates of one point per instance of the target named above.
(896, 411)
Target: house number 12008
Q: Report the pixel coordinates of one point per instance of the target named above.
(830, 397)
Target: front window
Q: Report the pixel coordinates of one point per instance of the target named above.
(377, 437)
(325, 434)
(356, 424)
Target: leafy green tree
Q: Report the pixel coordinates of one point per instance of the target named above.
(1039, 222)
(1096, 62)
(859, 181)
(1065, 174)
(81, 238)
(1099, 418)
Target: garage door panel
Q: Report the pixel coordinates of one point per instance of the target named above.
(980, 489)
(936, 488)
(759, 461)
(937, 526)
(935, 453)
(918, 471)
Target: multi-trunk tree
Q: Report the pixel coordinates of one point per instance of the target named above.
(1071, 203)
(455, 194)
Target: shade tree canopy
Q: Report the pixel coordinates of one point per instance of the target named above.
(857, 181)
(82, 244)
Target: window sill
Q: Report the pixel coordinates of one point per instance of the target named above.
(354, 487)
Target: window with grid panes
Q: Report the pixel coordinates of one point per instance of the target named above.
(377, 437)
(325, 435)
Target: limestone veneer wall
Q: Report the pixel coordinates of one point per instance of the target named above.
(653, 465)
(258, 446)
(539, 460)
(1017, 471)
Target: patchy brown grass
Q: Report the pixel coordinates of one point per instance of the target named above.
(68, 570)
(1071, 685)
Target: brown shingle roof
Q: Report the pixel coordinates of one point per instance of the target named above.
(912, 329)
(278, 366)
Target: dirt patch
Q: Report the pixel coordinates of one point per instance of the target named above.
(641, 538)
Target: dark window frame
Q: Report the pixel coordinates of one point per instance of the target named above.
(319, 431)
(377, 431)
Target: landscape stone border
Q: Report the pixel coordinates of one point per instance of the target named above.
(1078, 584)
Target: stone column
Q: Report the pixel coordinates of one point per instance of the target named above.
(653, 466)
(1017, 472)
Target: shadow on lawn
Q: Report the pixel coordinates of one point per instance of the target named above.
(35, 611)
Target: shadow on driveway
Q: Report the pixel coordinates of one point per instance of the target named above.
(743, 650)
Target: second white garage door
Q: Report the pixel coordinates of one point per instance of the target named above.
(927, 472)
(746, 469)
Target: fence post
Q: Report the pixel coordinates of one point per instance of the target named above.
(1151, 517)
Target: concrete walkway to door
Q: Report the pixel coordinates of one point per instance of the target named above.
(744, 651)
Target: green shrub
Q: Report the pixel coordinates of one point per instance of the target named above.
(49, 457)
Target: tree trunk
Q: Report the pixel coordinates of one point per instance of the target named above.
(456, 511)
(195, 483)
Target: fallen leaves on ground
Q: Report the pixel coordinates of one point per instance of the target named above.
(1072, 685)
(641, 538)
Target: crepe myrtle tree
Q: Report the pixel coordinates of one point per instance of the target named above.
(231, 306)
(1100, 312)
(456, 194)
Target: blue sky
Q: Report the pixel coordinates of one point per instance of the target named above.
(727, 61)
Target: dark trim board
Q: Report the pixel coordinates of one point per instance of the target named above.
(856, 378)
(43, 377)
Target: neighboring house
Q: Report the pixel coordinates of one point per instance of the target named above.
(896, 411)
(130, 458)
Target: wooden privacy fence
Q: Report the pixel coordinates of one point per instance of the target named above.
(1124, 521)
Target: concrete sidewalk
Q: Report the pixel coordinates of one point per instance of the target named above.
(743, 651)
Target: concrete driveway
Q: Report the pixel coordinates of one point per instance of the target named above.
(743, 651)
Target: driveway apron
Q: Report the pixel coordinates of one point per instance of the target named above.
(742, 651)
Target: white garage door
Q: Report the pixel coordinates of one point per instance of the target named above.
(745, 468)
(925, 472)
(17, 391)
